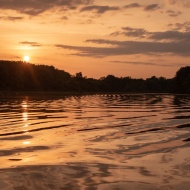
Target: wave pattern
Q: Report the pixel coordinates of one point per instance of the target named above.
(109, 141)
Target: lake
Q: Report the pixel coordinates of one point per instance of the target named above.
(89, 142)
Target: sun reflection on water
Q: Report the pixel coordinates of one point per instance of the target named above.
(26, 142)
(26, 125)
(25, 112)
(25, 119)
(25, 116)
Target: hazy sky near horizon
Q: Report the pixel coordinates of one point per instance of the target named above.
(98, 37)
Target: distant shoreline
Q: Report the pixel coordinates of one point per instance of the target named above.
(59, 93)
(19, 77)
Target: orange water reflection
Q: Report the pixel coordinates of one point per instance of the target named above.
(98, 143)
(25, 114)
(25, 119)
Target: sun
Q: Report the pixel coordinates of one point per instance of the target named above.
(26, 58)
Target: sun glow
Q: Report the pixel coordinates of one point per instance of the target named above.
(26, 58)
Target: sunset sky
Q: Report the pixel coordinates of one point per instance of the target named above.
(137, 38)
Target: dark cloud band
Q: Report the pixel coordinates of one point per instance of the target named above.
(35, 7)
(130, 48)
(99, 9)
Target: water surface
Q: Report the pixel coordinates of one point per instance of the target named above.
(110, 141)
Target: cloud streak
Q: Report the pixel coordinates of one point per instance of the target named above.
(131, 32)
(99, 9)
(170, 35)
(130, 48)
(12, 18)
(147, 63)
(184, 3)
(172, 13)
(133, 5)
(36, 7)
(33, 44)
(185, 26)
(151, 7)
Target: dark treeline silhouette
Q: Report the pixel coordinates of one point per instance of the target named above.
(22, 76)
(182, 80)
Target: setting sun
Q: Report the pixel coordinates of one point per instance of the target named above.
(26, 58)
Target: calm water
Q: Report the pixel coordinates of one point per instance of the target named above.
(104, 142)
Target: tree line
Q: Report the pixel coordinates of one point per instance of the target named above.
(22, 76)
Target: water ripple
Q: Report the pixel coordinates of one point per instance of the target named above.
(103, 141)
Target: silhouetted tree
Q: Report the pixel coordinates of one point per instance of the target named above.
(79, 75)
(22, 76)
(182, 80)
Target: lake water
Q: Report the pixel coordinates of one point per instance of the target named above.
(103, 142)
